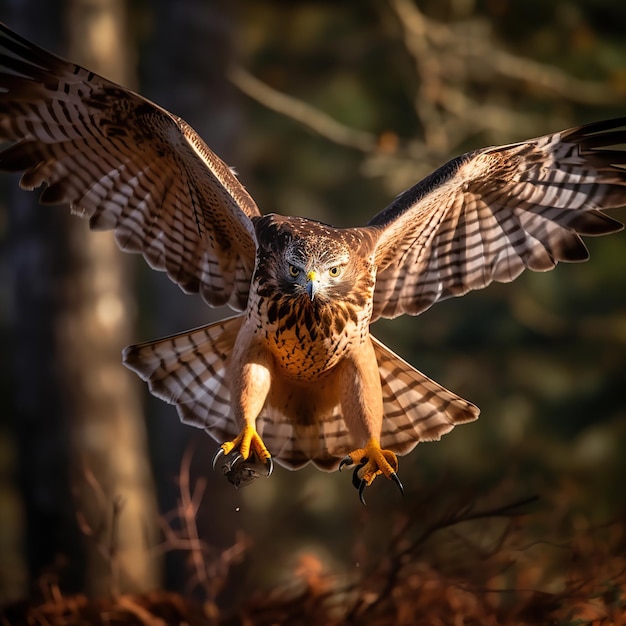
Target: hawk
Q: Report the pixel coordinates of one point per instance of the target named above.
(296, 375)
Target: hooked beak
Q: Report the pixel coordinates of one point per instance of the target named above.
(312, 282)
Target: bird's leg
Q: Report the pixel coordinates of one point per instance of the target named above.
(362, 406)
(251, 381)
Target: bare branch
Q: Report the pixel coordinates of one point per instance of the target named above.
(188, 510)
(475, 45)
(305, 114)
(429, 70)
(553, 80)
(453, 60)
(142, 614)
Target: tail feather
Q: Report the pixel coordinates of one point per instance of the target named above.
(324, 442)
(189, 371)
(415, 407)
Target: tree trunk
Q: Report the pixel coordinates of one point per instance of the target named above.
(77, 409)
(114, 494)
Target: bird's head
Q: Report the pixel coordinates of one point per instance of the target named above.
(314, 267)
(305, 258)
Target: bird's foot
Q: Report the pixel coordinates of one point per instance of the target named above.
(241, 472)
(371, 461)
(248, 457)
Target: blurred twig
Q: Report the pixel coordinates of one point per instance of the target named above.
(211, 566)
(450, 57)
(96, 530)
(456, 97)
(304, 113)
(430, 77)
(188, 508)
(402, 550)
(473, 41)
(145, 617)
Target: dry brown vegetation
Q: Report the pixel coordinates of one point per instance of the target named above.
(463, 560)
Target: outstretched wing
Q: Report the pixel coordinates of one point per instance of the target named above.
(489, 214)
(127, 165)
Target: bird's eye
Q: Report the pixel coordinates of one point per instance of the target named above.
(334, 271)
(294, 272)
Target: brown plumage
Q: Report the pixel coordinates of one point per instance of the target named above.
(297, 376)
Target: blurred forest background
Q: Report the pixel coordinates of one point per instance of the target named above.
(327, 110)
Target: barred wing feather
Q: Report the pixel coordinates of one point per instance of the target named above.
(489, 214)
(127, 165)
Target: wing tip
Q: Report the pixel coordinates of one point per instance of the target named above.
(132, 359)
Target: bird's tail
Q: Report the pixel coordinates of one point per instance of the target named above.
(415, 407)
(189, 370)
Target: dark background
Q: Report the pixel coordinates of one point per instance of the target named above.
(357, 101)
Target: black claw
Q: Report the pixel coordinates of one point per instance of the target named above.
(347, 460)
(216, 456)
(270, 469)
(396, 480)
(356, 479)
(361, 490)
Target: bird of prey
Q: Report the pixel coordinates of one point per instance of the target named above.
(296, 375)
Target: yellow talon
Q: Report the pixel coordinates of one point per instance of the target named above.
(248, 440)
(245, 458)
(371, 461)
(374, 461)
